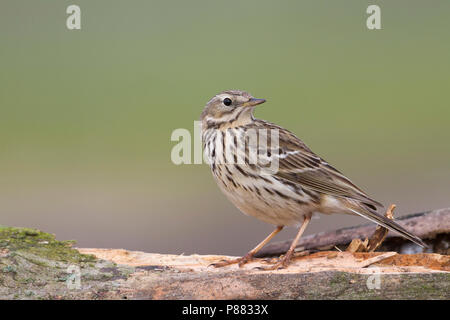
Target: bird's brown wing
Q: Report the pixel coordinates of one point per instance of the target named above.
(298, 164)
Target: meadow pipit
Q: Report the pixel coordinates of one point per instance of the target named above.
(287, 194)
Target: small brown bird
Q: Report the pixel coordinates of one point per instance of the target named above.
(287, 193)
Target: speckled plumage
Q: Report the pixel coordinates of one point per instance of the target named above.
(302, 184)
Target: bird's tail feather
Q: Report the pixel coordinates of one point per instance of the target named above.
(389, 224)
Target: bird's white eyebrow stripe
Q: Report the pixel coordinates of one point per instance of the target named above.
(223, 96)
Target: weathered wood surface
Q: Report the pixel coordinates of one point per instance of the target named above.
(323, 275)
(432, 226)
(33, 265)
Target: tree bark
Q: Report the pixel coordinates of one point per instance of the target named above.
(33, 265)
(432, 226)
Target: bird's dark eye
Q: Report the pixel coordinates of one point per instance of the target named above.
(227, 101)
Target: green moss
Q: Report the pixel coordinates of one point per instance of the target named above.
(339, 278)
(41, 244)
(7, 269)
(430, 286)
(34, 265)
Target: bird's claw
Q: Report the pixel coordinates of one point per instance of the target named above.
(216, 264)
(240, 262)
(276, 266)
(281, 263)
(270, 260)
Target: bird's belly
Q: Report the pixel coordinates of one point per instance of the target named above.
(273, 214)
(270, 202)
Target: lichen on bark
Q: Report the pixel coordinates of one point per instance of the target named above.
(34, 265)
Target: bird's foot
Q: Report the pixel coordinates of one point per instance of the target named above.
(280, 263)
(271, 260)
(239, 261)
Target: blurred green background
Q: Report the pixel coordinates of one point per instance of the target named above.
(86, 116)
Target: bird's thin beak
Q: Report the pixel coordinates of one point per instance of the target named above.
(253, 102)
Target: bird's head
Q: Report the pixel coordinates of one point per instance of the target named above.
(229, 108)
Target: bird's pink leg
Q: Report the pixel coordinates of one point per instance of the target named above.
(284, 262)
(249, 256)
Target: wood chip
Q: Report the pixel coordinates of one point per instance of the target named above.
(357, 246)
(376, 239)
(332, 255)
(370, 261)
(380, 232)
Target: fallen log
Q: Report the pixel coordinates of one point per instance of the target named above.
(432, 226)
(34, 265)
